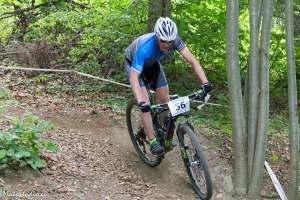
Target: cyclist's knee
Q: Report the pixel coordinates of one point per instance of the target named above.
(162, 94)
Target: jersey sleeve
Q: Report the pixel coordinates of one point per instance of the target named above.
(138, 60)
(179, 44)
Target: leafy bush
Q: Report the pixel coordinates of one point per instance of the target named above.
(20, 137)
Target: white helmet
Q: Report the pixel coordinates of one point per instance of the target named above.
(165, 29)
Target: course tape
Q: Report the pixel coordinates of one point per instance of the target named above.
(276, 182)
(65, 71)
(81, 74)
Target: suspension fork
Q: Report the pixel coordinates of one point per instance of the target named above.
(180, 137)
(170, 132)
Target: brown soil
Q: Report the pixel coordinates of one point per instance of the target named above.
(96, 159)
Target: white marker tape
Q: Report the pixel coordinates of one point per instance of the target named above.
(276, 182)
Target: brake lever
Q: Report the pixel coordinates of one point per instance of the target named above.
(206, 98)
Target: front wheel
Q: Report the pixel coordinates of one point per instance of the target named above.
(138, 136)
(195, 162)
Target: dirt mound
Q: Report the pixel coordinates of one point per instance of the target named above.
(97, 161)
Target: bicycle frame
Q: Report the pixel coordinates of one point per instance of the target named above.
(190, 149)
(165, 131)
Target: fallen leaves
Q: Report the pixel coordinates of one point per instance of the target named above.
(88, 162)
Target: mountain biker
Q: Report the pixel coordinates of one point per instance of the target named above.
(143, 67)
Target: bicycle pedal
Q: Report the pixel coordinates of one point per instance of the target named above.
(162, 155)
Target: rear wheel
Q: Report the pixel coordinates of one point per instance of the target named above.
(195, 162)
(138, 136)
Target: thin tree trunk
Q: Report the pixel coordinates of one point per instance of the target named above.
(236, 101)
(253, 83)
(167, 7)
(259, 8)
(292, 96)
(246, 96)
(157, 8)
(263, 114)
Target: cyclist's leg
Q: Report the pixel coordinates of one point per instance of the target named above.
(162, 88)
(145, 117)
(155, 147)
(150, 76)
(162, 95)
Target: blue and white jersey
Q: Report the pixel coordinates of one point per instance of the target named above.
(144, 51)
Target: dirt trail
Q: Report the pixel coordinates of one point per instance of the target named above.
(170, 177)
(97, 161)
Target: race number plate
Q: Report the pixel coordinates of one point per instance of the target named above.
(179, 106)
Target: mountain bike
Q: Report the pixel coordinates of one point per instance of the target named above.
(164, 117)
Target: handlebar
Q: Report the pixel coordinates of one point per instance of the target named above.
(200, 94)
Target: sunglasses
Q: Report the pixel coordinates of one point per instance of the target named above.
(165, 41)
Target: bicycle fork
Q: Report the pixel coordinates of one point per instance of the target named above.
(180, 136)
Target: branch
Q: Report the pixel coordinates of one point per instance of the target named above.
(81, 5)
(275, 56)
(21, 11)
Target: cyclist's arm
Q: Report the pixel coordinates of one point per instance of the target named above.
(189, 57)
(135, 71)
(134, 82)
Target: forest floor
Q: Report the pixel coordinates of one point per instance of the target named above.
(96, 159)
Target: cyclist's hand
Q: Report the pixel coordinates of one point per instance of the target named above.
(144, 107)
(206, 87)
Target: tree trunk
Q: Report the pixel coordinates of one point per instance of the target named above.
(292, 96)
(259, 8)
(157, 8)
(263, 110)
(253, 83)
(236, 101)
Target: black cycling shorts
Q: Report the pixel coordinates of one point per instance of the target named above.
(152, 76)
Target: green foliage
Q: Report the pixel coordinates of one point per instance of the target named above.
(117, 103)
(278, 125)
(274, 157)
(5, 100)
(92, 35)
(21, 144)
(42, 78)
(114, 101)
(20, 137)
(202, 27)
(4, 92)
(217, 117)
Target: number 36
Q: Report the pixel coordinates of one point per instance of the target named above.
(181, 106)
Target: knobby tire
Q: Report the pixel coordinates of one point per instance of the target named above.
(203, 193)
(132, 104)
